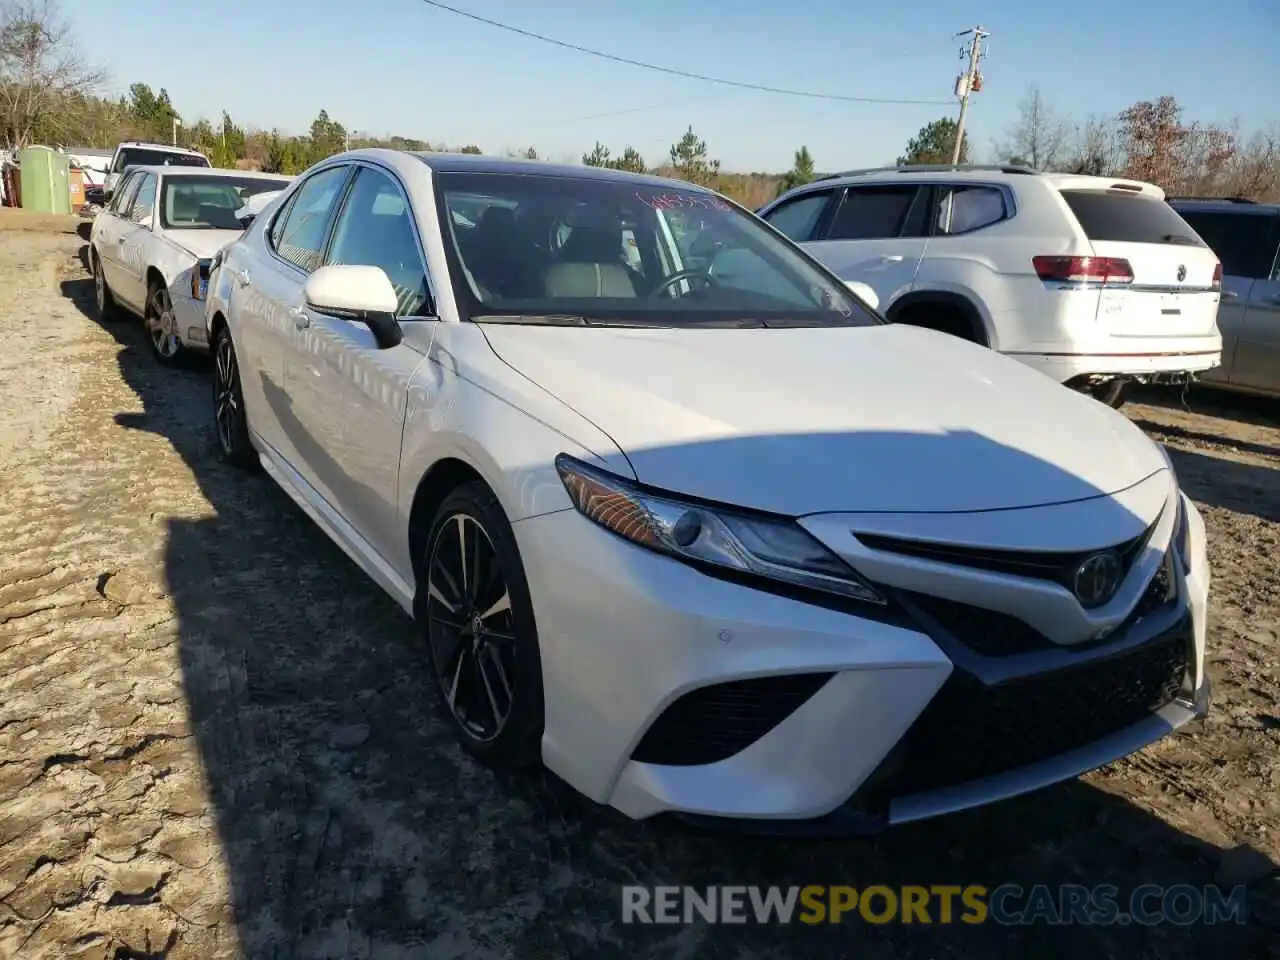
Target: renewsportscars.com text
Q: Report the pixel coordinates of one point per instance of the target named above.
(1007, 904)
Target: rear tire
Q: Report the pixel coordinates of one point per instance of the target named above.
(481, 635)
(108, 310)
(229, 422)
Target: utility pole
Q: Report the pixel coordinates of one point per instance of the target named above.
(965, 85)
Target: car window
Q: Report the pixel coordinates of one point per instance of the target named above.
(208, 202)
(375, 229)
(143, 157)
(968, 207)
(534, 248)
(1245, 243)
(144, 202)
(304, 226)
(797, 218)
(123, 195)
(873, 213)
(1126, 217)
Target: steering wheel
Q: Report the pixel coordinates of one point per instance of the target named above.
(679, 275)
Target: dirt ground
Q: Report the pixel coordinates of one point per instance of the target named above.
(216, 738)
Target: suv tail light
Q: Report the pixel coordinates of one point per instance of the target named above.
(1083, 269)
(1217, 277)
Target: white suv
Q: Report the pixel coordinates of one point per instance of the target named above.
(135, 153)
(1094, 281)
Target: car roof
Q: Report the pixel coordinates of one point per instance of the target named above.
(166, 147)
(477, 163)
(177, 171)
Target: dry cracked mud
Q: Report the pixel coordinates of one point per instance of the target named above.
(217, 740)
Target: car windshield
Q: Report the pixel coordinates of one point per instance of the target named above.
(532, 248)
(140, 157)
(209, 203)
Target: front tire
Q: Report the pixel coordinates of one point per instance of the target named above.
(480, 630)
(162, 332)
(229, 421)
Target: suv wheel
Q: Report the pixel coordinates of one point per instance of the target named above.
(942, 317)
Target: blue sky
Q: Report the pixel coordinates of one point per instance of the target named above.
(399, 66)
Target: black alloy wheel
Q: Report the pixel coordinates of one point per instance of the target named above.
(480, 630)
(234, 446)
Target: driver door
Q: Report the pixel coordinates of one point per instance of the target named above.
(349, 394)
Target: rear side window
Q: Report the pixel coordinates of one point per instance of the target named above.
(304, 227)
(1245, 243)
(966, 208)
(797, 218)
(874, 213)
(1115, 216)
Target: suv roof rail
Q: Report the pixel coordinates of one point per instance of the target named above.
(1212, 199)
(932, 168)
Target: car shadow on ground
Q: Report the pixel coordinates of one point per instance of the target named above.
(354, 827)
(1257, 411)
(1248, 488)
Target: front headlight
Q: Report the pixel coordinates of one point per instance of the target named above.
(1181, 533)
(200, 279)
(1182, 536)
(735, 541)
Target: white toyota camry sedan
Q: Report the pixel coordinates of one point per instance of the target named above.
(678, 515)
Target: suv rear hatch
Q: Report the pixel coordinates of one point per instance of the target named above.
(1158, 278)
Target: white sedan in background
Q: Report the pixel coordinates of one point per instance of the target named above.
(150, 248)
(692, 525)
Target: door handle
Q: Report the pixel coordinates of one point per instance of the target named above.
(896, 258)
(301, 319)
(1230, 295)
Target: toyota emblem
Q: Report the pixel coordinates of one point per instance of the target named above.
(1097, 578)
(1182, 272)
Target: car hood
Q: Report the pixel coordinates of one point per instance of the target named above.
(880, 419)
(202, 244)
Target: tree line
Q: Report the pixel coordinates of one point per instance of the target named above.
(48, 95)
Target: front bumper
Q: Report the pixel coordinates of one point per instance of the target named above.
(188, 315)
(643, 656)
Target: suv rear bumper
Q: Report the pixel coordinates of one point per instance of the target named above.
(1065, 366)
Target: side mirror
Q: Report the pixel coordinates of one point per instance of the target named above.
(863, 293)
(359, 293)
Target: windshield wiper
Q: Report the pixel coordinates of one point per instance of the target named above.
(533, 319)
(1180, 239)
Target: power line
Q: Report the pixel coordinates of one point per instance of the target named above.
(672, 71)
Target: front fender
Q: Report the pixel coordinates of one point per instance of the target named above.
(466, 403)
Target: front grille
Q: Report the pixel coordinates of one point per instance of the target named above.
(1057, 566)
(713, 723)
(971, 730)
(992, 633)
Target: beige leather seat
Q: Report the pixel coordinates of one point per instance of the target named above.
(590, 266)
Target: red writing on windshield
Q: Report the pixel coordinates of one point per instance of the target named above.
(683, 201)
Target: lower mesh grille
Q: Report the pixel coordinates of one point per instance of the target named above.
(713, 723)
(970, 731)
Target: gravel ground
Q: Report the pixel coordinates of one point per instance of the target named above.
(216, 740)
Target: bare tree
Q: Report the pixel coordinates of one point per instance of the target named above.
(1094, 149)
(41, 69)
(1180, 157)
(1040, 136)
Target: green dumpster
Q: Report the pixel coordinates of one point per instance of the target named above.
(46, 180)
